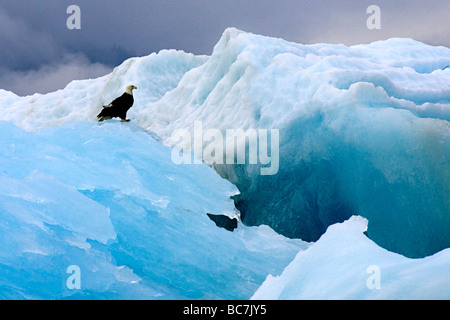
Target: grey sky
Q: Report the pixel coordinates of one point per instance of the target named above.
(39, 54)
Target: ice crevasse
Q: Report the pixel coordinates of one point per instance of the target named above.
(364, 131)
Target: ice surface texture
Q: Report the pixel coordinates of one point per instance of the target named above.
(108, 199)
(345, 264)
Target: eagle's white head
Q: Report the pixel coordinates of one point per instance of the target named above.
(130, 88)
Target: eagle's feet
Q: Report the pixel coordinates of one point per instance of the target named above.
(126, 120)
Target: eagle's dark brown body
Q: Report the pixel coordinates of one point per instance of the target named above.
(119, 107)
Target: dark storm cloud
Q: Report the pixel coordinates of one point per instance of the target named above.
(34, 36)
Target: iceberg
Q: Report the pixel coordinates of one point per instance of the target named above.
(107, 199)
(364, 148)
(363, 131)
(345, 264)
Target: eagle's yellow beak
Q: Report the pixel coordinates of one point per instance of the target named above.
(134, 87)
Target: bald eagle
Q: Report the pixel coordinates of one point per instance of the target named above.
(119, 106)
